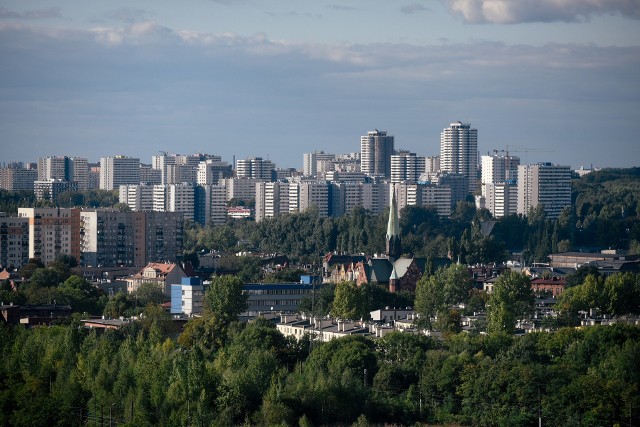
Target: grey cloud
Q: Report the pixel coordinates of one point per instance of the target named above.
(138, 88)
(414, 8)
(340, 7)
(46, 13)
(519, 11)
(128, 15)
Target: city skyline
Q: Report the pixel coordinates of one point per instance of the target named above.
(279, 79)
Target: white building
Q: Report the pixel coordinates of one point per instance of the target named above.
(546, 184)
(119, 170)
(407, 166)
(437, 196)
(310, 162)
(459, 151)
(214, 204)
(499, 184)
(499, 168)
(255, 167)
(241, 188)
(187, 297)
(501, 198)
(212, 171)
(314, 194)
(137, 197)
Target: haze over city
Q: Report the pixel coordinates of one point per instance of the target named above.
(278, 79)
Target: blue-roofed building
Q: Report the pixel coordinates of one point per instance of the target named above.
(187, 297)
(280, 297)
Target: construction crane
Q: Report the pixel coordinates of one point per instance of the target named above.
(517, 150)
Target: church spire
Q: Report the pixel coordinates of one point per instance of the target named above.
(393, 229)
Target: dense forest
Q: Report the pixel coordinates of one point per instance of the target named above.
(222, 374)
(219, 372)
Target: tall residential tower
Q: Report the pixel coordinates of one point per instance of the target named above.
(459, 151)
(376, 149)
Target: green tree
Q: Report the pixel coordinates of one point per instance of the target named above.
(434, 294)
(224, 299)
(347, 301)
(511, 299)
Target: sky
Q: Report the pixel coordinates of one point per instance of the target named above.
(549, 80)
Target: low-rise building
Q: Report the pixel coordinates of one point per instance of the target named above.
(163, 275)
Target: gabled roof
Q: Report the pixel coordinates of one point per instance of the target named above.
(401, 265)
(380, 270)
(163, 269)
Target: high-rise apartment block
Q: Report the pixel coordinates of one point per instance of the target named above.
(544, 184)
(501, 198)
(311, 161)
(459, 152)
(50, 189)
(256, 168)
(499, 168)
(52, 232)
(376, 149)
(213, 171)
(407, 166)
(63, 168)
(412, 194)
(14, 241)
(111, 238)
(16, 177)
(119, 170)
(138, 197)
(499, 184)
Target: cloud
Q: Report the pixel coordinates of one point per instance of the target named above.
(127, 15)
(341, 7)
(46, 13)
(414, 8)
(519, 11)
(141, 87)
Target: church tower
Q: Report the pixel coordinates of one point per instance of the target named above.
(393, 230)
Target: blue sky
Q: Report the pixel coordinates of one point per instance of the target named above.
(558, 78)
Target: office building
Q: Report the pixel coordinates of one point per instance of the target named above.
(544, 184)
(187, 297)
(459, 152)
(376, 149)
(117, 171)
(52, 232)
